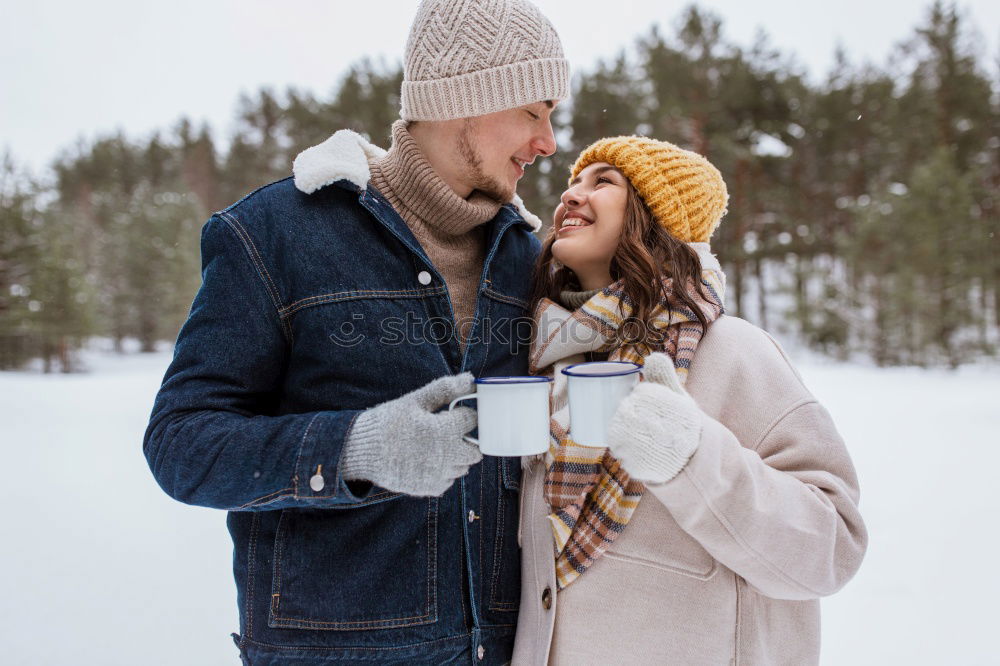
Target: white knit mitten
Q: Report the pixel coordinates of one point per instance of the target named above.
(657, 427)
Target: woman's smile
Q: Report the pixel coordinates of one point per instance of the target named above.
(574, 221)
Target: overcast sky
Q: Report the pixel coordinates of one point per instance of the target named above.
(80, 69)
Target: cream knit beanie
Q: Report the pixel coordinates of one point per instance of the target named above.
(467, 58)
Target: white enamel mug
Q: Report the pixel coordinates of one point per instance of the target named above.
(513, 415)
(595, 391)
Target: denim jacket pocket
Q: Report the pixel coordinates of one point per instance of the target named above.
(343, 571)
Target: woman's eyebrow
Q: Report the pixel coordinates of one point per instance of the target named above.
(595, 172)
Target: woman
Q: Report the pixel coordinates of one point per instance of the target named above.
(726, 503)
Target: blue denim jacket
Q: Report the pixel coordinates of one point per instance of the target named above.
(312, 309)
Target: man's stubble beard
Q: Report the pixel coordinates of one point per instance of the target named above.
(489, 186)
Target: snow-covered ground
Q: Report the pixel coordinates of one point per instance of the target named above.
(100, 567)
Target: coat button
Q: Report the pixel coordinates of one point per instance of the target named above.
(424, 277)
(547, 598)
(481, 652)
(317, 482)
(472, 516)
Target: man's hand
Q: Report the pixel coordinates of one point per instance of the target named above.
(403, 446)
(657, 427)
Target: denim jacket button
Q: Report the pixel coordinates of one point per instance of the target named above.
(317, 482)
(424, 277)
(481, 652)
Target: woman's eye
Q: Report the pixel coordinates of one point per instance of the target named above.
(534, 116)
(603, 179)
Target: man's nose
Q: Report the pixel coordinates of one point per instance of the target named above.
(545, 143)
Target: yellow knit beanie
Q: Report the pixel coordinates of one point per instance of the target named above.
(682, 189)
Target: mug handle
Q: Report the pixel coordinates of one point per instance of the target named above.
(470, 396)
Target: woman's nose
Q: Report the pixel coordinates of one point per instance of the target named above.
(572, 198)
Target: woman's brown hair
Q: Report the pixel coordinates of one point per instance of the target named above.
(646, 252)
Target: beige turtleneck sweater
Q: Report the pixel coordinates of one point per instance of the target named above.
(448, 227)
(572, 300)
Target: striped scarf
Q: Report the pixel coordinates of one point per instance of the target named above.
(590, 496)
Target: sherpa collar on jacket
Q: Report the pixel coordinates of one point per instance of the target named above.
(345, 156)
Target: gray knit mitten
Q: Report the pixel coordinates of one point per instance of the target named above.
(657, 427)
(403, 446)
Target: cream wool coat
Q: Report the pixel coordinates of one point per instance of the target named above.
(725, 563)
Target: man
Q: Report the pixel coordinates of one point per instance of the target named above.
(339, 311)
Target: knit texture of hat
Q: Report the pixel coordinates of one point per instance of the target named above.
(685, 193)
(467, 58)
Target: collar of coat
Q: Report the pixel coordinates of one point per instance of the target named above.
(345, 156)
(559, 333)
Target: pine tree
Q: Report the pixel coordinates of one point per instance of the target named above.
(19, 219)
(60, 306)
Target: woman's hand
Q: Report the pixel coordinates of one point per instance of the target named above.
(657, 427)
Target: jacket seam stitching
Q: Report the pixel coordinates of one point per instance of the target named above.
(258, 263)
(498, 543)
(270, 501)
(802, 402)
(481, 506)
(255, 258)
(264, 499)
(354, 295)
(251, 567)
(391, 622)
(432, 524)
(371, 499)
(280, 535)
(359, 648)
(737, 638)
(369, 198)
(511, 300)
(298, 458)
